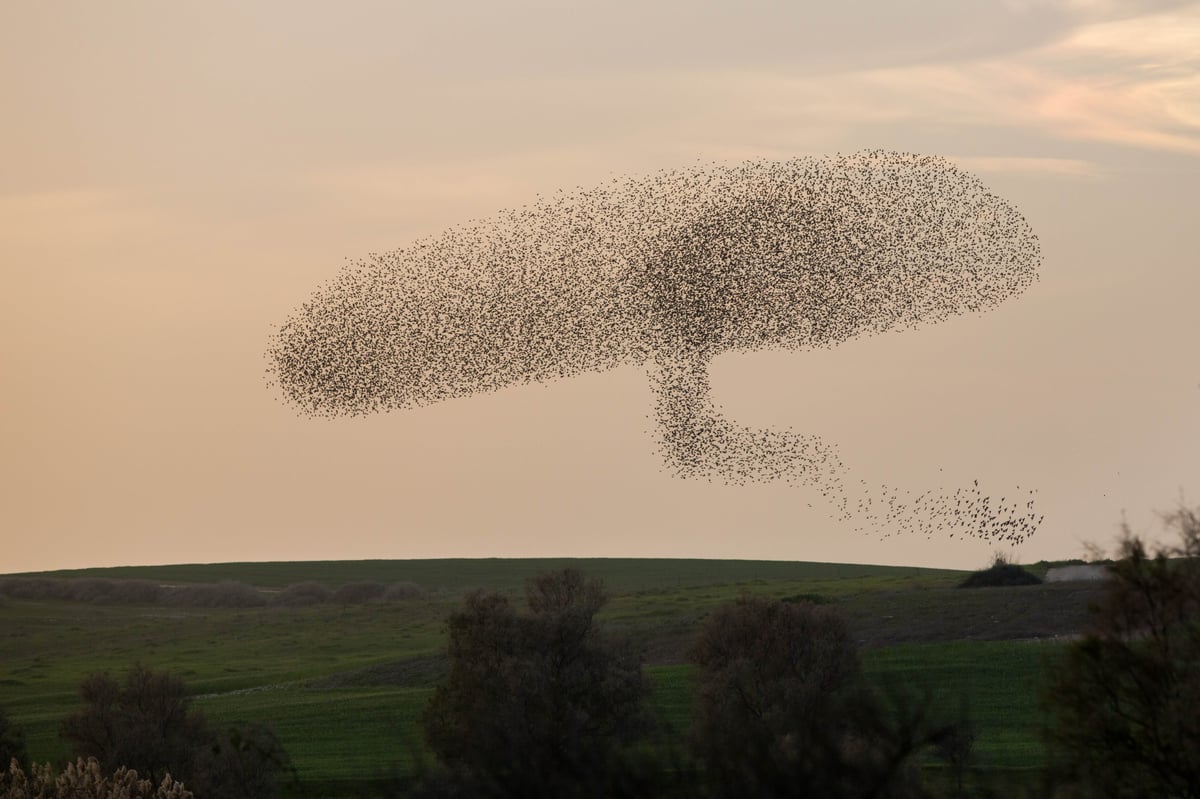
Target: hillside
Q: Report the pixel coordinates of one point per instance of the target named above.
(342, 683)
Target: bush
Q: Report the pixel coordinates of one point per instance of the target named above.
(1001, 573)
(247, 763)
(359, 593)
(773, 678)
(541, 704)
(85, 780)
(113, 592)
(398, 592)
(1122, 703)
(146, 724)
(302, 595)
(782, 710)
(84, 589)
(93, 590)
(35, 588)
(227, 594)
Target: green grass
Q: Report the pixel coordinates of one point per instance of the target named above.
(997, 680)
(342, 685)
(332, 735)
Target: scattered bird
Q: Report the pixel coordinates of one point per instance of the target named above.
(668, 271)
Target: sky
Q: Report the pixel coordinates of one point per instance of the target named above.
(179, 177)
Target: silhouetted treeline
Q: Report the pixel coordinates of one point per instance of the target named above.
(228, 593)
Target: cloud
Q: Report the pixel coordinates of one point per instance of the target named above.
(1133, 81)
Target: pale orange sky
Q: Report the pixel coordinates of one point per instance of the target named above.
(178, 177)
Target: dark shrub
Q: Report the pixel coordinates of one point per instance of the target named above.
(359, 593)
(1000, 574)
(144, 723)
(539, 705)
(302, 595)
(774, 678)
(782, 710)
(244, 762)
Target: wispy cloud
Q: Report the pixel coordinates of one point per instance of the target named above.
(1133, 81)
(1121, 78)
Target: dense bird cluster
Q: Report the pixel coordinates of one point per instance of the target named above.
(669, 271)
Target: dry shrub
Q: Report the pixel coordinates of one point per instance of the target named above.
(95, 590)
(225, 594)
(137, 592)
(84, 779)
(398, 592)
(29, 588)
(359, 593)
(302, 595)
(115, 592)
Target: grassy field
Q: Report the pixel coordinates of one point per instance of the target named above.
(342, 684)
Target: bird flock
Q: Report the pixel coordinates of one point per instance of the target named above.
(669, 271)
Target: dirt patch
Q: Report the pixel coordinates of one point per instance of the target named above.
(410, 672)
(1038, 611)
(1076, 574)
